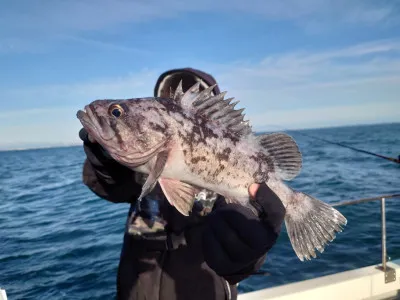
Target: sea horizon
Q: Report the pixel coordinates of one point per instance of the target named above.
(38, 146)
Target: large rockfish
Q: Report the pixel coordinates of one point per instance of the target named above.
(197, 140)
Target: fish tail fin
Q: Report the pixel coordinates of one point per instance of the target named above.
(311, 224)
(284, 153)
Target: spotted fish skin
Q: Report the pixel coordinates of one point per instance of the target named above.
(215, 156)
(197, 140)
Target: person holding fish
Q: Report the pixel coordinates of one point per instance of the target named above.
(197, 224)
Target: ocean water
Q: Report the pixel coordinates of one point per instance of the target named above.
(60, 241)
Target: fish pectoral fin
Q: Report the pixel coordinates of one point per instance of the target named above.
(284, 152)
(179, 194)
(154, 175)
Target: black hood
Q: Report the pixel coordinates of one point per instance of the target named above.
(169, 80)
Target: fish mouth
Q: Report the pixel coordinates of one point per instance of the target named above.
(95, 124)
(85, 116)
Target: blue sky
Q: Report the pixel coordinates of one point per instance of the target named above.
(293, 63)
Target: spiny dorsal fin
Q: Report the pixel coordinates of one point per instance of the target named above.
(178, 92)
(185, 100)
(284, 152)
(215, 108)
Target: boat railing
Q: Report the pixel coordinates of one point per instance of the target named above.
(390, 273)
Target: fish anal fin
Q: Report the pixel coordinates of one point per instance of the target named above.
(179, 194)
(284, 153)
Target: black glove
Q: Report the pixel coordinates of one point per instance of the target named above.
(105, 176)
(235, 240)
(94, 151)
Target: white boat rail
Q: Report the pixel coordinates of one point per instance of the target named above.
(362, 283)
(3, 295)
(390, 274)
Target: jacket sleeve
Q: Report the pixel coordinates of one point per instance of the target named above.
(107, 178)
(236, 241)
(272, 213)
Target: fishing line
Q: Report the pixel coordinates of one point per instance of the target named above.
(396, 160)
(353, 148)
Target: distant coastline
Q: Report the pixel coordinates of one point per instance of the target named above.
(38, 146)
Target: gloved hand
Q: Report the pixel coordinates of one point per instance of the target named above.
(105, 176)
(236, 240)
(94, 151)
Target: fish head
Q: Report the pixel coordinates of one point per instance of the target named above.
(129, 130)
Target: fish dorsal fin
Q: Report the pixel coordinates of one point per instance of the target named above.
(185, 100)
(215, 108)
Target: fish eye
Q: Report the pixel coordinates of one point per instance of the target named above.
(116, 110)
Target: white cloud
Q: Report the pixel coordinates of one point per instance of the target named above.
(34, 112)
(368, 59)
(101, 44)
(369, 113)
(358, 84)
(358, 74)
(133, 85)
(39, 127)
(86, 15)
(43, 27)
(24, 45)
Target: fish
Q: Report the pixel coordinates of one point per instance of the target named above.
(196, 140)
